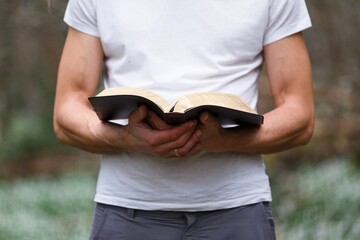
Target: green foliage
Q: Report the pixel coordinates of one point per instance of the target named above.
(47, 208)
(314, 202)
(319, 202)
(28, 133)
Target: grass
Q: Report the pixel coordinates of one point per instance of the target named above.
(47, 208)
(319, 202)
(315, 202)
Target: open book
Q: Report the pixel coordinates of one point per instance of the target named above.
(118, 103)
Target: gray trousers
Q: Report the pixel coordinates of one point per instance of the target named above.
(251, 222)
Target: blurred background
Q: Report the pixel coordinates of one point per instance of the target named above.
(46, 188)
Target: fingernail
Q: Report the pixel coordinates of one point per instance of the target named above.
(205, 116)
(198, 133)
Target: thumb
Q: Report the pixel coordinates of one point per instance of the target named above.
(138, 115)
(208, 119)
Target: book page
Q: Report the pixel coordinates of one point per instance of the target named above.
(212, 98)
(155, 98)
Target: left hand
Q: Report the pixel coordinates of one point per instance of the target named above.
(189, 146)
(213, 135)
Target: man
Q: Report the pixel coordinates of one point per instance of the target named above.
(196, 180)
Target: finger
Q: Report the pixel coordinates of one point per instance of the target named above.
(138, 115)
(195, 150)
(175, 153)
(175, 135)
(156, 122)
(190, 144)
(167, 148)
(209, 120)
(171, 154)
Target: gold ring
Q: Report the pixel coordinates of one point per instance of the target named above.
(176, 151)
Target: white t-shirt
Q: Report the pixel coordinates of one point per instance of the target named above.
(174, 48)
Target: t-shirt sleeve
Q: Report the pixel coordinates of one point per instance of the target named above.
(286, 17)
(81, 15)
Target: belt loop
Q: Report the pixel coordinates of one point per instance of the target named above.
(131, 213)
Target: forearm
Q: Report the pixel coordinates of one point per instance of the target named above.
(76, 124)
(284, 128)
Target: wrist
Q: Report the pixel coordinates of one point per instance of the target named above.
(241, 140)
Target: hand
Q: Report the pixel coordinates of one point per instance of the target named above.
(156, 122)
(213, 135)
(146, 132)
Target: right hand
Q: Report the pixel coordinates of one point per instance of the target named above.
(146, 132)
